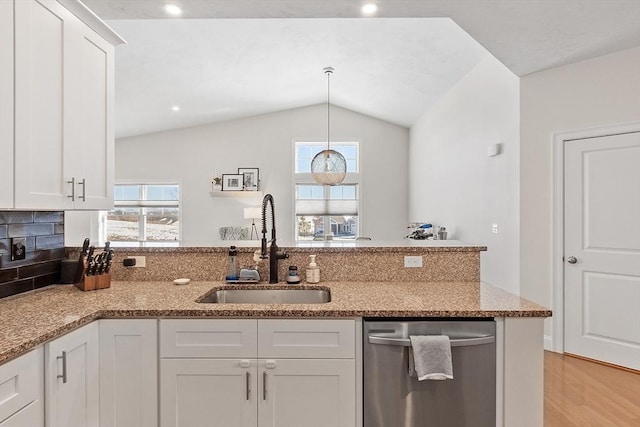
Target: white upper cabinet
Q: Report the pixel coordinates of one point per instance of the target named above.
(40, 35)
(89, 101)
(6, 103)
(64, 141)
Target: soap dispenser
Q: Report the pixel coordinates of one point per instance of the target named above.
(313, 271)
(232, 272)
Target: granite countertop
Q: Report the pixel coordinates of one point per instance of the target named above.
(328, 246)
(33, 318)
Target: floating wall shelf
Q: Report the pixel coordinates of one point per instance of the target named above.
(236, 194)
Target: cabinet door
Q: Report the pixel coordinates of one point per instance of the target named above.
(208, 392)
(6, 104)
(309, 393)
(89, 148)
(22, 387)
(72, 379)
(40, 67)
(128, 373)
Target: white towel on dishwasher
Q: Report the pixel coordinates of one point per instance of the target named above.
(432, 357)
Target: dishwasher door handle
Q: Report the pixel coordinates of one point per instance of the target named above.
(406, 342)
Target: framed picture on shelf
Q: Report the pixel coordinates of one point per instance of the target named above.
(250, 178)
(231, 182)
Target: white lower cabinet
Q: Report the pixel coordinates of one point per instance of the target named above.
(128, 373)
(307, 392)
(208, 392)
(22, 391)
(30, 416)
(72, 379)
(249, 389)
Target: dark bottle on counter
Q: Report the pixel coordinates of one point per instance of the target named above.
(292, 277)
(232, 271)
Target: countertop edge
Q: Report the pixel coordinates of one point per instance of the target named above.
(25, 347)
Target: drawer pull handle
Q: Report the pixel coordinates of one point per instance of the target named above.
(248, 381)
(73, 189)
(84, 189)
(264, 385)
(64, 367)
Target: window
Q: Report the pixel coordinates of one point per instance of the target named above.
(144, 212)
(323, 210)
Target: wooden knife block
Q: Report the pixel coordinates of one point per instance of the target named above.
(92, 283)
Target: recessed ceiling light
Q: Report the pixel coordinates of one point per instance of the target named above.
(175, 108)
(369, 9)
(172, 9)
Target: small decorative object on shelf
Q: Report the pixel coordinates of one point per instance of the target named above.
(231, 182)
(216, 184)
(250, 178)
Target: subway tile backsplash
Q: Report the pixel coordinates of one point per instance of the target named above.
(44, 235)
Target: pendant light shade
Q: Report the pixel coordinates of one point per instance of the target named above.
(328, 167)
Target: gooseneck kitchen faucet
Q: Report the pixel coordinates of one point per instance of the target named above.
(274, 254)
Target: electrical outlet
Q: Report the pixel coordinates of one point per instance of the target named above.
(18, 248)
(495, 229)
(413, 261)
(140, 261)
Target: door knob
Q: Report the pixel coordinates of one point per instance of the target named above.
(572, 260)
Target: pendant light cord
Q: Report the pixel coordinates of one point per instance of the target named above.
(328, 71)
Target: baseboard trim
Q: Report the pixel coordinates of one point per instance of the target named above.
(548, 343)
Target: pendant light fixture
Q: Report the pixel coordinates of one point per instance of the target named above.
(328, 167)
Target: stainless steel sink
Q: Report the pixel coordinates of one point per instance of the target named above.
(267, 296)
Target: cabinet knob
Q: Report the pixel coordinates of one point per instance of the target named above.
(572, 260)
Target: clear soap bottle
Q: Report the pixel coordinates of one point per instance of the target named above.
(313, 271)
(232, 271)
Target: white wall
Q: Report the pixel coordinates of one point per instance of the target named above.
(192, 155)
(454, 183)
(596, 92)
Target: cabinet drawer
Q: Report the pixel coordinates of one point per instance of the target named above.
(306, 339)
(220, 338)
(21, 382)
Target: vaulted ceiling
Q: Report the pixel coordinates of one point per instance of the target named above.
(227, 59)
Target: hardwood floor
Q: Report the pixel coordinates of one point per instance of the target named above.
(580, 393)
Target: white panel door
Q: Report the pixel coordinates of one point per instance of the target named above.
(40, 67)
(307, 392)
(208, 393)
(72, 379)
(602, 248)
(6, 104)
(128, 373)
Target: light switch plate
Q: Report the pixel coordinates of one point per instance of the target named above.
(413, 261)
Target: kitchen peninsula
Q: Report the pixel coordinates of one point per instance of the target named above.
(364, 281)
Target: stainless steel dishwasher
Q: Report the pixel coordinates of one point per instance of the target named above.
(393, 396)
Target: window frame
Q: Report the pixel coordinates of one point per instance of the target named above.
(142, 218)
(305, 178)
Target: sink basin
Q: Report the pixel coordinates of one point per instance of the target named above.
(267, 296)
